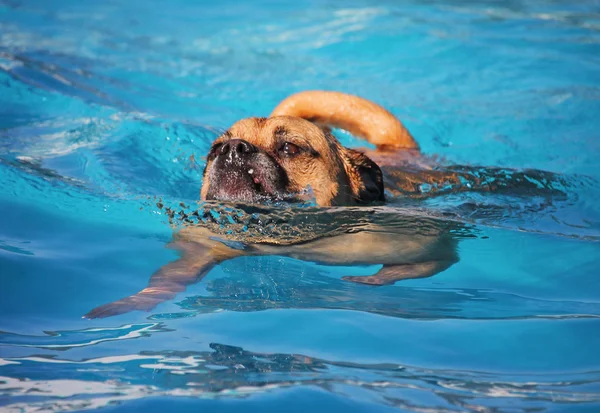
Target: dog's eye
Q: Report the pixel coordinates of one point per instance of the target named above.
(290, 149)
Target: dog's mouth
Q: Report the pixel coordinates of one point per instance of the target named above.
(260, 185)
(255, 180)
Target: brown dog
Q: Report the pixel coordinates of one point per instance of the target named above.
(278, 158)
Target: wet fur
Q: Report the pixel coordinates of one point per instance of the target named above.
(336, 175)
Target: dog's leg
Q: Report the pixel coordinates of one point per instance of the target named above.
(389, 274)
(196, 261)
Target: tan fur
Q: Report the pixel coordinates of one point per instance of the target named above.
(356, 115)
(326, 174)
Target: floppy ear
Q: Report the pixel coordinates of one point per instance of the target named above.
(366, 179)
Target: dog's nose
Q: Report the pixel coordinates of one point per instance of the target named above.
(237, 147)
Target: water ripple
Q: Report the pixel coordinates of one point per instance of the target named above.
(277, 285)
(65, 340)
(229, 371)
(107, 111)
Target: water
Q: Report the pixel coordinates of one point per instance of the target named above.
(103, 105)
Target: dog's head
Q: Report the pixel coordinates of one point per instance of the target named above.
(277, 158)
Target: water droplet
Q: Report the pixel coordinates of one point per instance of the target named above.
(424, 188)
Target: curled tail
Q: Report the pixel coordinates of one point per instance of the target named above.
(356, 115)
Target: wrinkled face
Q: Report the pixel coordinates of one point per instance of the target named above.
(280, 158)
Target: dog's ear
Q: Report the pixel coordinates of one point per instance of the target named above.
(365, 176)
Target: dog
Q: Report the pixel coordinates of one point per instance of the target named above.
(292, 152)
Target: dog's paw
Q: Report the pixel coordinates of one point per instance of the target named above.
(369, 280)
(121, 307)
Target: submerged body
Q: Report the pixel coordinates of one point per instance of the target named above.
(404, 254)
(367, 246)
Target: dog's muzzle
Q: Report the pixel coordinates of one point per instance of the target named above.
(242, 172)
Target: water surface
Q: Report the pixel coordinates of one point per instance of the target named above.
(108, 107)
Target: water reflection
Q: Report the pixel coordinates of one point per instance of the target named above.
(66, 340)
(230, 371)
(258, 284)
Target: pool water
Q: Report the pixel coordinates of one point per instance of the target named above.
(103, 105)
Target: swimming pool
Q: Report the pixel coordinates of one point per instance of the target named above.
(102, 105)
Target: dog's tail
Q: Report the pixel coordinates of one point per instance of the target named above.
(356, 115)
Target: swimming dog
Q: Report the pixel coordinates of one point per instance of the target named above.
(263, 160)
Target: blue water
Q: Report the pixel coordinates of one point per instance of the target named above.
(102, 104)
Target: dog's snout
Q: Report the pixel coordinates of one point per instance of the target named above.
(237, 147)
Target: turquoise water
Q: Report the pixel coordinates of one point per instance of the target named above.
(102, 104)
